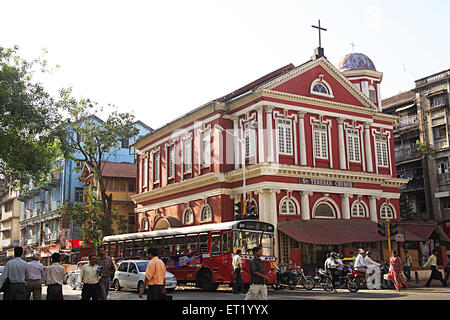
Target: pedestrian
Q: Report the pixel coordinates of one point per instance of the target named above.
(108, 269)
(90, 276)
(54, 278)
(395, 271)
(155, 277)
(258, 289)
(447, 270)
(35, 275)
(16, 270)
(407, 266)
(238, 286)
(435, 274)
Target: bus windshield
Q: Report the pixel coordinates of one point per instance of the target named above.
(247, 240)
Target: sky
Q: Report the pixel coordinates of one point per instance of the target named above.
(162, 59)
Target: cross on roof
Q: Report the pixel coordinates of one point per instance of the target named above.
(353, 46)
(318, 27)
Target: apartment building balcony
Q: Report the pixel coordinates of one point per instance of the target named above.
(444, 178)
(52, 236)
(406, 154)
(441, 144)
(414, 184)
(406, 122)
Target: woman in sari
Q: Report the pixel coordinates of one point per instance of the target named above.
(395, 271)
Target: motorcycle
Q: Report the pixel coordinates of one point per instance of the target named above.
(345, 280)
(385, 283)
(291, 279)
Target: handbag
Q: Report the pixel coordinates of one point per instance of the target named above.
(5, 285)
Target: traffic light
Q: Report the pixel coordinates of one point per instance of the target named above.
(382, 229)
(392, 229)
(251, 209)
(238, 207)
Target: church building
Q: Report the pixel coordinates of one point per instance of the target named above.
(319, 160)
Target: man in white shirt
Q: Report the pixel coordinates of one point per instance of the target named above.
(369, 262)
(90, 276)
(238, 286)
(331, 267)
(35, 274)
(359, 262)
(373, 272)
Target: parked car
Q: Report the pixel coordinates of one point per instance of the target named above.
(73, 277)
(131, 274)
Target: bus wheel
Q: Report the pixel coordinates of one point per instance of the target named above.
(205, 281)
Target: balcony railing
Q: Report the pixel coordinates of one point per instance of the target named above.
(439, 144)
(414, 183)
(405, 154)
(444, 178)
(51, 236)
(407, 121)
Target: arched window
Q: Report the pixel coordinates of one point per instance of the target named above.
(206, 213)
(188, 216)
(320, 88)
(358, 209)
(386, 212)
(324, 210)
(145, 224)
(288, 206)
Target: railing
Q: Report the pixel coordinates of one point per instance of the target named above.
(414, 183)
(439, 144)
(407, 121)
(444, 178)
(51, 236)
(404, 154)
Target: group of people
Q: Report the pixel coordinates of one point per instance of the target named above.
(21, 280)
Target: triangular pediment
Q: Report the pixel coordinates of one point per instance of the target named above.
(299, 80)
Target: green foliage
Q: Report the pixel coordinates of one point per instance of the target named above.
(424, 149)
(31, 127)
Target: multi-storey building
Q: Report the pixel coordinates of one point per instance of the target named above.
(422, 154)
(42, 227)
(319, 158)
(10, 208)
(120, 181)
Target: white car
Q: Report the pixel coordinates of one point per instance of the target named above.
(131, 274)
(73, 278)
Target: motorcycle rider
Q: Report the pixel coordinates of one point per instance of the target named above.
(359, 262)
(369, 262)
(331, 267)
(285, 265)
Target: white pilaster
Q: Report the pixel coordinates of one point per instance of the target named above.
(270, 154)
(261, 157)
(236, 143)
(306, 214)
(342, 158)
(301, 130)
(368, 145)
(373, 209)
(345, 206)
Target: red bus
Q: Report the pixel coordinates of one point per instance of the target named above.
(201, 255)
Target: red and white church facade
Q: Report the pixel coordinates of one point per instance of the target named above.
(320, 162)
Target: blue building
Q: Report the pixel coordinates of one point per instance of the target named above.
(42, 228)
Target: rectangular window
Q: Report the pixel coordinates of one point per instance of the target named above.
(145, 171)
(125, 143)
(158, 244)
(147, 244)
(171, 161)
(381, 150)
(284, 136)
(320, 141)
(353, 148)
(206, 148)
(188, 155)
(437, 101)
(180, 244)
(226, 242)
(192, 243)
(250, 140)
(156, 166)
(203, 242)
(168, 246)
(79, 195)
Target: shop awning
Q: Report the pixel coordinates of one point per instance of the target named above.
(331, 232)
(347, 231)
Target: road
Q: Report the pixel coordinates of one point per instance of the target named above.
(224, 293)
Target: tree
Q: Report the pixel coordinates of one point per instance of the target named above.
(93, 143)
(31, 128)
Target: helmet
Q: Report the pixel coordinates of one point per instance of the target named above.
(334, 255)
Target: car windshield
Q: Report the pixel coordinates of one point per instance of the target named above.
(1, 268)
(142, 266)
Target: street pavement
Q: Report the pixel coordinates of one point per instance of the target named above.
(224, 293)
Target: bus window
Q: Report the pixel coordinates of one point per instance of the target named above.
(168, 246)
(138, 248)
(226, 242)
(215, 244)
(203, 239)
(158, 244)
(120, 249)
(128, 248)
(113, 249)
(192, 243)
(247, 241)
(180, 244)
(266, 242)
(147, 244)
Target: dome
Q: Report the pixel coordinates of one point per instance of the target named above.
(356, 61)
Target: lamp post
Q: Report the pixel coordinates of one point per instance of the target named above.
(253, 125)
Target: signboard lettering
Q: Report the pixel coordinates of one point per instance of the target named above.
(327, 183)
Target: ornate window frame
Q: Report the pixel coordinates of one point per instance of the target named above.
(330, 202)
(288, 199)
(188, 210)
(203, 208)
(383, 214)
(320, 80)
(361, 204)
